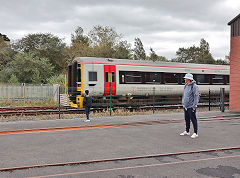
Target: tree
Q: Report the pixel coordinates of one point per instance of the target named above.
(28, 68)
(226, 61)
(58, 79)
(13, 79)
(101, 42)
(122, 50)
(80, 45)
(153, 56)
(205, 55)
(105, 36)
(79, 37)
(106, 42)
(195, 54)
(44, 46)
(6, 53)
(139, 52)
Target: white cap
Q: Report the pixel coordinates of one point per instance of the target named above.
(188, 76)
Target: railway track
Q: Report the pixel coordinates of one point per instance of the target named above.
(47, 110)
(37, 110)
(123, 159)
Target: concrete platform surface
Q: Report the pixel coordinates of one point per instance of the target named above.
(115, 142)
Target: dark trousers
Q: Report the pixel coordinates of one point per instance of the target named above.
(190, 114)
(87, 111)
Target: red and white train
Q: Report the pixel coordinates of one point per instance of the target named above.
(132, 77)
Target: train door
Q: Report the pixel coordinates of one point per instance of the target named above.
(109, 79)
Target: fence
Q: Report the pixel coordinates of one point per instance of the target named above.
(28, 92)
(212, 99)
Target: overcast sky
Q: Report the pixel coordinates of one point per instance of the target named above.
(164, 25)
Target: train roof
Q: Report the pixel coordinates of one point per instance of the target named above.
(112, 61)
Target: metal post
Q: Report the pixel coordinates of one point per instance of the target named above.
(153, 98)
(209, 100)
(59, 105)
(110, 100)
(222, 100)
(24, 92)
(65, 84)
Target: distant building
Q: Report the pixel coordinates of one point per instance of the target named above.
(5, 38)
(234, 95)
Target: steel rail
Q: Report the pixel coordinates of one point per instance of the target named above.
(116, 159)
(45, 110)
(135, 167)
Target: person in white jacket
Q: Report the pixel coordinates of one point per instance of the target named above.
(190, 100)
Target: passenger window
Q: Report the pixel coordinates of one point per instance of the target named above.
(203, 79)
(110, 77)
(113, 77)
(218, 79)
(92, 76)
(106, 75)
(79, 74)
(227, 79)
(170, 78)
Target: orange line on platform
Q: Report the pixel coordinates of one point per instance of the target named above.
(55, 129)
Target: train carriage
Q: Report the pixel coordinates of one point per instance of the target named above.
(124, 77)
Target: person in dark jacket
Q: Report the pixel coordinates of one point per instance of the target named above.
(190, 100)
(87, 103)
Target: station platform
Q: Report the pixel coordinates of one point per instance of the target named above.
(96, 143)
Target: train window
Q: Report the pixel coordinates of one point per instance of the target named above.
(181, 79)
(171, 78)
(110, 77)
(69, 76)
(113, 77)
(130, 77)
(79, 74)
(74, 75)
(226, 79)
(122, 79)
(218, 79)
(203, 79)
(200, 79)
(151, 77)
(106, 75)
(92, 76)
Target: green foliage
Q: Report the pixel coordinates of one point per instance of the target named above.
(103, 36)
(28, 68)
(154, 57)
(6, 53)
(44, 46)
(100, 42)
(79, 37)
(57, 79)
(139, 52)
(35, 58)
(122, 50)
(13, 79)
(226, 61)
(195, 54)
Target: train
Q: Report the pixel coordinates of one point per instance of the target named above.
(123, 77)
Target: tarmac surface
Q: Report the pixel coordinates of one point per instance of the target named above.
(52, 147)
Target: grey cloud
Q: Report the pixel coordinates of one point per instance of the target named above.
(156, 22)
